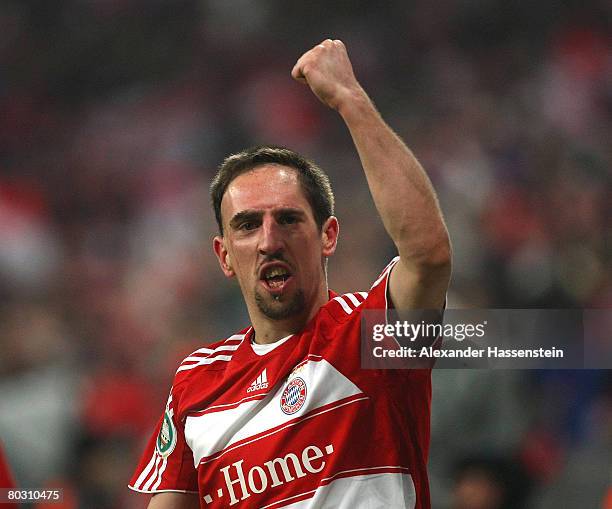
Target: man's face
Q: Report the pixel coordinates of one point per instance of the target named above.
(272, 243)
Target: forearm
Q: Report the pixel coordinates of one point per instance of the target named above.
(173, 500)
(402, 192)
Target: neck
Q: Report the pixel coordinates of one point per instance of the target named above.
(269, 331)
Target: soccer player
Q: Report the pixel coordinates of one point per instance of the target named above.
(281, 414)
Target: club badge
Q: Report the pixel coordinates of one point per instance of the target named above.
(294, 396)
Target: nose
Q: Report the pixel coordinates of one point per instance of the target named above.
(271, 240)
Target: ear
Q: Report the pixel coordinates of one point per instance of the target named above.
(223, 257)
(329, 236)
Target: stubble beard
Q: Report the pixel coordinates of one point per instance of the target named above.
(282, 307)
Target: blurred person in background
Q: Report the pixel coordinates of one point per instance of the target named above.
(483, 482)
(282, 411)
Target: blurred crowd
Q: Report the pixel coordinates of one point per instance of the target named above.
(113, 117)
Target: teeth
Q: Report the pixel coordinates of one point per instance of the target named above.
(276, 272)
(275, 284)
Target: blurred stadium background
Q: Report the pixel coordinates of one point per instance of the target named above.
(113, 117)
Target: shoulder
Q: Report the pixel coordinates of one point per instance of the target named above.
(213, 356)
(196, 374)
(346, 306)
(341, 307)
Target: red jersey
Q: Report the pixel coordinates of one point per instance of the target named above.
(302, 426)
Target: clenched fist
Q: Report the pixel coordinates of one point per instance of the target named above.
(327, 70)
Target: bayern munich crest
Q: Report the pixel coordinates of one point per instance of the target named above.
(294, 396)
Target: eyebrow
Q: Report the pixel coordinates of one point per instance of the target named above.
(244, 215)
(250, 215)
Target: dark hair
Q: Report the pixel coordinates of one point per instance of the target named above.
(315, 183)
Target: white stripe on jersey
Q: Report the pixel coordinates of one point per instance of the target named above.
(212, 432)
(234, 404)
(160, 475)
(352, 298)
(145, 473)
(236, 337)
(311, 357)
(311, 415)
(216, 408)
(389, 487)
(153, 476)
(222, 348)
(385, 271)
(372, 469)
(150, 472)
(170, 490)
(350, 301)
(344, 305)
(194, 360)
(206, 360)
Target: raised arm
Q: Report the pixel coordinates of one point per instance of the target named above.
(402, 192)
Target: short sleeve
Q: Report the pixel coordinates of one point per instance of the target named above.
(380, 306)
(167, 461)
(347, 307)
(378, 296)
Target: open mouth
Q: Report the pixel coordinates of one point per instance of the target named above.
(275, 278)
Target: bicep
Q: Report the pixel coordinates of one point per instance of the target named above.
(174, 501)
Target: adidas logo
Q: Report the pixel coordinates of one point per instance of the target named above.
(261, 382)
